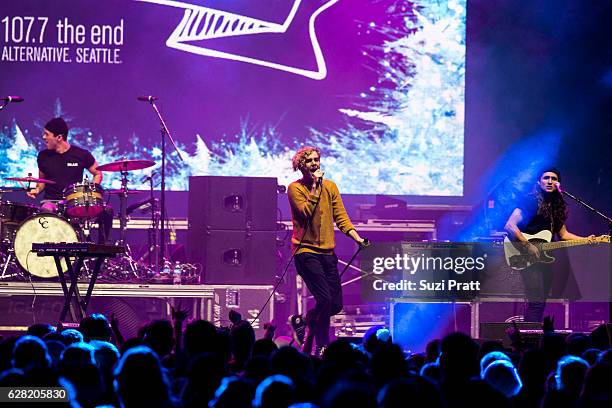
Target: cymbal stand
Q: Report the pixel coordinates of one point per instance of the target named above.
(152, 253)
(127, 256)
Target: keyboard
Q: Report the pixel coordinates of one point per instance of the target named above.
(76, 248)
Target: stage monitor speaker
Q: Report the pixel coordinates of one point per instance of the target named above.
(232, 203)
(234, 257)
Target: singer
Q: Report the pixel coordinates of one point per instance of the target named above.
(543, 209)
(315, 206)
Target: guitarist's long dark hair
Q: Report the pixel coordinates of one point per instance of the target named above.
(551, 206)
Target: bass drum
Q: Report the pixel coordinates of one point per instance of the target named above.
(38, 229)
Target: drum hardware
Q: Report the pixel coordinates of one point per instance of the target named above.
(152, 252)
(30, 179)
(84, 200)
(124, 166)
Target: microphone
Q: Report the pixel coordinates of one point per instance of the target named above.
(320, 180)
(147, 177)
(12, 98)
(558, 187)
(147, 98)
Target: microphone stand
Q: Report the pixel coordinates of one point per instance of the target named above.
(164, 133)
(609, 220)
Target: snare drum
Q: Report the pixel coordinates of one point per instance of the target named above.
(11, 215)
(84, 200)
(41, 228)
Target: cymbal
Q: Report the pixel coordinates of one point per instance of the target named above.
(30, 179)
(121, 192)
(126, 165)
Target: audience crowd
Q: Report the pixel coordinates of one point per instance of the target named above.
(170, 364)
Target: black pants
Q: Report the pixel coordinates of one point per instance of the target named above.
(537, 280)
(320, 273)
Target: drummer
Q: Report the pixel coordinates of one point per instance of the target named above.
(64, 164)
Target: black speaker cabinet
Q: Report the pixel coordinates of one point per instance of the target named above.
(234, 257)
(232, 203)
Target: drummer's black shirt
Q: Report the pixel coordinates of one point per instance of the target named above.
(65, 169)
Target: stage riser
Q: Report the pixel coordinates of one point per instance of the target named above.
(132, 313)
(135, 305)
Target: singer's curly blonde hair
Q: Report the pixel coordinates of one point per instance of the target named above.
(299, 158)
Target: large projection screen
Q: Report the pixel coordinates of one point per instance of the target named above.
(378, 85)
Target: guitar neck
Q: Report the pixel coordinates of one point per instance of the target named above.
(564, 244)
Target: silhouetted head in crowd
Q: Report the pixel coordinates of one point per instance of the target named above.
(412, 391)
(78, 354)
(257, 368)
(569, 375)
(234, 392)
(503, 376)
(276, 391)
(159, 336)
(489, 346)
(204, 375)
(242, 340)
(40, 330)
(29, 353)
(13, 377)
(553, 347)
(345, 354)
(200, 337)
(264, 347)
(77, 364)
(375, 336)
(590, 355)
(479, 393)
(140, 380)
(105, 354)
(605, 356)
(6, 352)
(95, 327)
(491, 357)
(388, 362)
(350, 394)
(70, 336)
(131, 343)
(577, 343)
(55, 349)
(292, 363)
(596, 390)
(432, 351)
(458, 358)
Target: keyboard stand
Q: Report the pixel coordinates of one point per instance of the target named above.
(74, 271)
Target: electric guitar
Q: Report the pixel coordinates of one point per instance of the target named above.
(518, 258)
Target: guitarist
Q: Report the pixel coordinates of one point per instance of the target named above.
(543, 209)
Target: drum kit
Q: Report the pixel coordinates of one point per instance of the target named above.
(22, 224)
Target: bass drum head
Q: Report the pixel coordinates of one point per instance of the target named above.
(39, 229)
